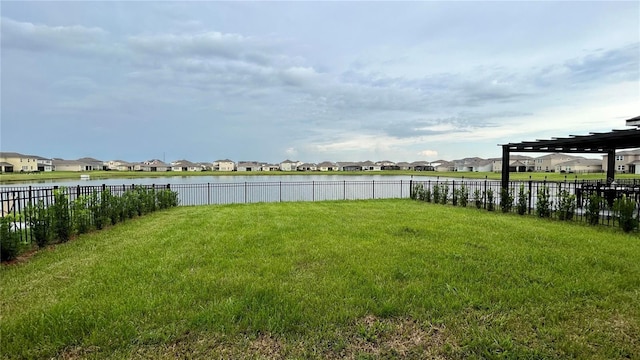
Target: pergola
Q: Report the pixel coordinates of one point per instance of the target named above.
(595, 143)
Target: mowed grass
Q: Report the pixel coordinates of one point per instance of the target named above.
(356, 279)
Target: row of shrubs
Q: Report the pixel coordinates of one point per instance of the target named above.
(625, 209)
(64, 218)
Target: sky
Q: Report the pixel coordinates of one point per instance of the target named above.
(311, 81)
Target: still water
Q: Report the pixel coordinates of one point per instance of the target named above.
(220, 179)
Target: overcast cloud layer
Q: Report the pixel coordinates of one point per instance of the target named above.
(311, 81)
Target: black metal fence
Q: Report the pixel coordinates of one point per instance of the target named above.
(485, 194)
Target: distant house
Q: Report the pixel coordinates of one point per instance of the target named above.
(25, 163)
(249, 166)
(289, 165)
(205, 166)
(370, 166)
(119, 165)
(547, 163)
(580, 166)
(403, 165)
(307, 167)
(422, 166)
(350, 166)
(185, 165)
(387, 165)
(154, 165)
(71, 165)
(95, 163)
(270, 167)
(327, 166)
(445, 166)
(625, 161)
(224, 165)
(517, 163)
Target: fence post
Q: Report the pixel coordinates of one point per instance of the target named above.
(530, 194)
(344, 190)
(245, 192)
(484, 194)
(400, 189)
(313, 191)
(373, 189)
(454, 200)
(208, 193)
(280, 191)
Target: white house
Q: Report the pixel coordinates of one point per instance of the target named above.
(224, 165)
(289, 165)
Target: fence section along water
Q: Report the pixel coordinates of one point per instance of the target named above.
(485, 194)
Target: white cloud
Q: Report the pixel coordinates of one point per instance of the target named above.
(428, 153)
(38, 37)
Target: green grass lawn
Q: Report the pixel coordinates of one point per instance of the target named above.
(356, 280)
(9, 178)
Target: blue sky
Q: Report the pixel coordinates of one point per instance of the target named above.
(311, 81)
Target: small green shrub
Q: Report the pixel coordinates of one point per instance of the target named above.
(522, 200)
(166, 199)
(60, 215)
(444, 193)
(506, 200)
(592, 212)
(463, 196)
(427, 194)
(490, 204)
(10, 244)
(566, 205)
(625, 209)
(37, 216)
(436, 194)
(81, 214)
(477, 198)
(98, 211)
(543, 204)
(416, 191)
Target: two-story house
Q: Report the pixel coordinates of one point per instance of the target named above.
(547, 163)
(20, 162)
(625, 162)
(224, 165)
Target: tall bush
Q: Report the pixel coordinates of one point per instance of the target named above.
(626, 209)
(463, 196)
(444, 193)
(522, 200)
(506, 200)
(10, 245)
(543, 204)
(416, 191)
(592, 212)
(60, 215)
(566, 205)
(37, 216)
(477, 198)
(166, 199)
(436, 194)
(490, 204)
(81, 214)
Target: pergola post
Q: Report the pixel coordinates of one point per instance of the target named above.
(505, 166)
(611, 165)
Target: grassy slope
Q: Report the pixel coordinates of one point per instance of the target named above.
(59, 175)
(353, 279)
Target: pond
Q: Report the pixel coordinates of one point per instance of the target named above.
(218, 179)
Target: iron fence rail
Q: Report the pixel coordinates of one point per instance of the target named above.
(15, 200)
